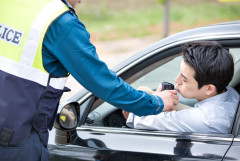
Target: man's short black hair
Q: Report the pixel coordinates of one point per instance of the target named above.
(211, 62)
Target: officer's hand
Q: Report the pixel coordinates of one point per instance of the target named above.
(170, 99)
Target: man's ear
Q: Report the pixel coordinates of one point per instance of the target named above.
(210, 89)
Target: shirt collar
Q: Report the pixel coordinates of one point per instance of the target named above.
(69, 6)
(218, 98)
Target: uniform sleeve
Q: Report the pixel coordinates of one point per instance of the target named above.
(68, 41)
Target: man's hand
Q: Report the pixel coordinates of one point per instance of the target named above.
(125, 114)
(159, 89)
(146, 89)
(170, 99)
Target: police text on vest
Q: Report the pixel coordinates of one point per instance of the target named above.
(10, 34)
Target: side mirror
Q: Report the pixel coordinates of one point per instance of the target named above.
(68, 118)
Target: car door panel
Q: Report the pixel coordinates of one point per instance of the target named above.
(234, 153)
(169, 145)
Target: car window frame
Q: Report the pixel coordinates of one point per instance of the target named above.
(155, 58)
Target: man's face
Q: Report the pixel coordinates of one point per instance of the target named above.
(74, 2)
(187, 86)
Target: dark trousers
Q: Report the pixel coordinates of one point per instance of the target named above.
(30, 149)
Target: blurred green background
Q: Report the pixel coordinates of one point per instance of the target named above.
(120, 19)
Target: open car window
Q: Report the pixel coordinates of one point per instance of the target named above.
(165, 70)
(107, 115)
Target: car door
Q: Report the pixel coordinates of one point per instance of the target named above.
(233, 152)
(102, 134)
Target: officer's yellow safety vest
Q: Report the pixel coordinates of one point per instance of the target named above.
(29, 95)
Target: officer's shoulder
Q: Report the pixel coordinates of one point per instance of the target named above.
(66, 17)
(67, 20)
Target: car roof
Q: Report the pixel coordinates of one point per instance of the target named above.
(228, 30)
(221, 29)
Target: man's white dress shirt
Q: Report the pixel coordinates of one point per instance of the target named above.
(213, 115)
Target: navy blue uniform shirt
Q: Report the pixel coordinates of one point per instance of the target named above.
(67, 48)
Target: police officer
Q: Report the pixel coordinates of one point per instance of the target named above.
(41, 42)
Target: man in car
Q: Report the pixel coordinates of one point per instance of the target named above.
(205, 72)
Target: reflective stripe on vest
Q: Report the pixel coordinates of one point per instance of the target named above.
(32, 74)
(30, 95)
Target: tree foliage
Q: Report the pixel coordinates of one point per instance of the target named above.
(161, 1)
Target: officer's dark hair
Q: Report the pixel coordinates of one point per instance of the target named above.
(211, 62)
